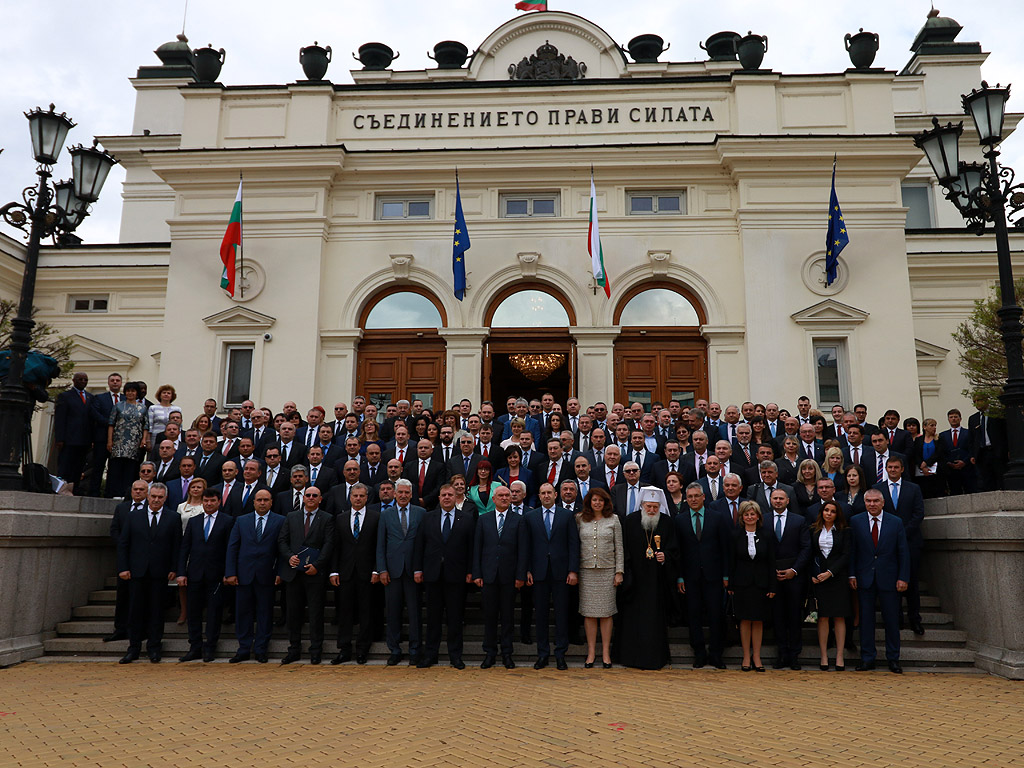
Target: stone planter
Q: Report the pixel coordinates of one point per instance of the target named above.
(208, 63)
(645, 49)
(862, 48)
(721, 46)
(376, 56)
(314, 60)
(751, 50)
(450, 54)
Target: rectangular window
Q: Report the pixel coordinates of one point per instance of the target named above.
(418, 207)
(685, 398)
(917, 199)
(831, 372)
(671, 203)
(237, 374)
(92, 303)
(529, 206)
(426, 397)
(644, 398)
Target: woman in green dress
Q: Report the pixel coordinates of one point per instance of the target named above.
(481, 493)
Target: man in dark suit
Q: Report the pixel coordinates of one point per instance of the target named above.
(988, 446)
(956, 446)
(761, 492)
(339, 497)
(609, 469)
(443, 562)
(855, 450)
(100, 407)
(900, 441)
(826, 493)
(292, 451)
(489, 447)
(147, 556)
(275, 477)
(354, 573)
(711, 482)
(809, 447)
(251, 482)
(704, 536)
(372, 469)
(879, 572)
(288, 501)
(552, 469)
(904, 500)
(320, 474)
(584, 479)
(728, 503)
(672, 463)
(229, 489)
(73, 430)
(177, 489)
(210, 460)
(549, 551)
(204, 548)
(497, 570)
(464, 461)
(396, 537)
(251, 566)
(792, 553)
(876, 457)
(427, 474)
(626, 495)
(135, 503)
(166, 463)
(644, 458)
(744, 451)
(305, 549)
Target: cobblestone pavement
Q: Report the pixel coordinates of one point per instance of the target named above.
(100, 714)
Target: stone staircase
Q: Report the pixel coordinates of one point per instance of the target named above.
(80, 638)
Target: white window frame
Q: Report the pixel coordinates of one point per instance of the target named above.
(929, 192)
(229, 348)
(842, 365)
(655, 194)
(91, 298)
(530, 198)
(405, 200)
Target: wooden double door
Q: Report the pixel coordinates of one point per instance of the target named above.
(659, 366)
(395, 367)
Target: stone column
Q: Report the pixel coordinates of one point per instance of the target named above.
(595, 363)
(336, 378)
(727, 363)
(464, 356)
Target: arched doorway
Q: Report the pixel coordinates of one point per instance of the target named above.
(660, 354)
(401, 355)
(529, 350)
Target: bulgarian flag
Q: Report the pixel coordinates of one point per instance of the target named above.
(532, 5)
(594, 244)
(231, 244)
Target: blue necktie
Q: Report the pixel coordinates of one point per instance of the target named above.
(207, 527)
(355, 526)
(245, 496)
(259, 527)
(501, 522)
(895, 495)
(465, 463)
(547, 521)
(778, 527)
(632, 499)
(446, 529)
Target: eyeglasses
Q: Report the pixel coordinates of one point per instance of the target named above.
(630, 471)
(311, 495)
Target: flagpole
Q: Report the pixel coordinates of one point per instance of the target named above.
(241, 237)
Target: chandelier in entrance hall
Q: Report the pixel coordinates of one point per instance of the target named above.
(537, 367)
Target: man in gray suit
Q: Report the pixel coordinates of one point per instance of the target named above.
(762, 492)
(396, 535)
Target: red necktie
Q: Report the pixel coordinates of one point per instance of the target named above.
(892, 435)
(551, 473)
(224, 496)
(611, 478)
(856, 455)
(401, 455)
(746, 452)
(309, 517)
(485, 451)
(874, 530)
(115, 399)
(81, 394)
(955, 432)
(227, 447)
(423, 474)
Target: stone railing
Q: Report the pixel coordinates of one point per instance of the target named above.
(54, 550)
(974, 563)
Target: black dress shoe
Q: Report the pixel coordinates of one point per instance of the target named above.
(261, 658)
(424, 663)
(780, 664)
(488, 661)
(414, 660)
(361, 658)
(719, 665)
(207, 657)
(917, 627)
(458, 663)
(507, 661)
(541, 662)
(560, 663)
(192, 655)
(394, 658)
(155, 657)
(290, 657)
(129, 657)
(864, 666)
(115, 636)
(795, 666)
(341, 658)
(699, 663)
(315, 658)
(895, 668)
(239, 657)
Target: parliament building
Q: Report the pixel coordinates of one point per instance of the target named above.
(712, 181)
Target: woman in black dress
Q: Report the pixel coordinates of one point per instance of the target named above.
(675, 498)
(928, 460)
(805, 489)
(830, 558)
(751, 581)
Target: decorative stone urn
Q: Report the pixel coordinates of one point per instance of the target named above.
(862, 48)
(314, 60)
(208, 63)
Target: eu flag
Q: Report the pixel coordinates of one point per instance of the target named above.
(460, 244)
(836, 239)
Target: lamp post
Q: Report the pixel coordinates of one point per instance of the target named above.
(46, 210)
(981, 193)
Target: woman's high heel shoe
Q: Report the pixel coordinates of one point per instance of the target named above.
(606, 664)
(588, 665)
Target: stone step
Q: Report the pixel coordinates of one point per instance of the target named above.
(173, 647)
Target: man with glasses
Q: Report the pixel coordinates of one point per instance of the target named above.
(305, 546)
(626, 496)
(396, 536)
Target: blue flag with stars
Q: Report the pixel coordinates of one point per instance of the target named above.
(460, 244)
(836, 239)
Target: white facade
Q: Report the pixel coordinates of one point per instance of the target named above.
(753, 159)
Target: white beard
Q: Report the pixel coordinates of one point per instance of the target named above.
(650, 522)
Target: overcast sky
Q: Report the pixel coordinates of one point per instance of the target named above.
(79, 55)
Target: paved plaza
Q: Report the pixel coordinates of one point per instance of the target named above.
(101, 714)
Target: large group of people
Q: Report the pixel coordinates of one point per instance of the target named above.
(619, 522)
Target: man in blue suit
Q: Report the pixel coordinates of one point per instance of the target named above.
(704, 536)
(147, 556)
(905, 500)
(549, 547)
(73, 430)
(956, 443)
(101, 406)
(396, 539)
(879, 571)
(251, 566)
(498, 572)
(201, 560)
(792, 554)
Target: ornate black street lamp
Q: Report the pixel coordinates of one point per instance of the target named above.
(46, 210)
(982, 192)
